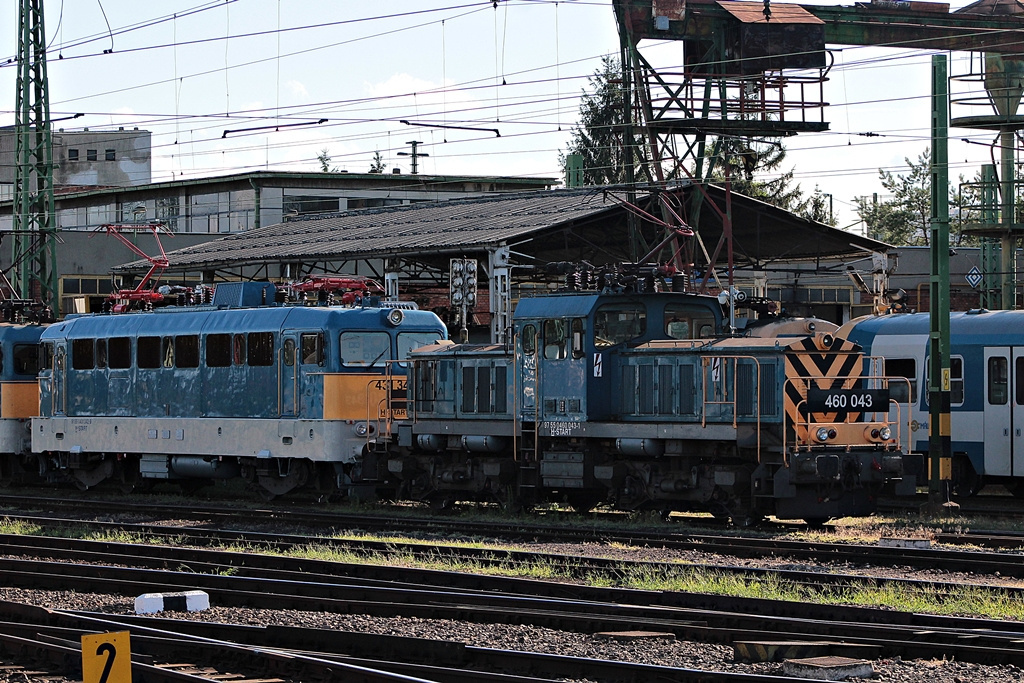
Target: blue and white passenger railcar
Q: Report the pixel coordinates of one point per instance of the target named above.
(986, 388)
(282, 396)
(19, 396)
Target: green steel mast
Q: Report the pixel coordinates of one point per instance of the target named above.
(35, 234)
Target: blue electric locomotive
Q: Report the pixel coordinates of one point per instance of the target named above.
(281, 396)
(639, 400)
(986, 388)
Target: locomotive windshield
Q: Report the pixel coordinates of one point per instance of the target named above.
(688, 322)
(407, 341)
(363, 349)
(618, 323)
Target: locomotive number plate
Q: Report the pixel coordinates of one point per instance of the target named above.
(832, 400)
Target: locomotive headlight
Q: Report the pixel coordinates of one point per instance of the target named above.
(821, 434)
(884, 433)
(361, 429)
(396, 316)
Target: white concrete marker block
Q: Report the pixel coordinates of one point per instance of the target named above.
(188, 601)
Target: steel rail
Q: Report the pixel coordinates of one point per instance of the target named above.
(343, 656)
(695, 617)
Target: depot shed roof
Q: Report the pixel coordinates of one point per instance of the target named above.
(588, 224)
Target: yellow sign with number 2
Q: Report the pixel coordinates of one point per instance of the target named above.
(106, 658)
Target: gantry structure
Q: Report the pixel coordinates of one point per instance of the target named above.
(754, 72)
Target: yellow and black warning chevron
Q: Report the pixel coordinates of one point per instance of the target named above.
(809, 362)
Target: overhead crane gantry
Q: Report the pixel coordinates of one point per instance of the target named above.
(755, 70)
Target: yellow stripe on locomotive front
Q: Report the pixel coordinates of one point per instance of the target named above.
(19, 400)
(356, 397)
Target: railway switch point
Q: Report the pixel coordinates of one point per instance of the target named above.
(828, 668)
(187, 601)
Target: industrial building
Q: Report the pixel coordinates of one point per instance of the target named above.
(199, 210)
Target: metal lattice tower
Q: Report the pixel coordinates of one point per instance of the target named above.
(35, 235)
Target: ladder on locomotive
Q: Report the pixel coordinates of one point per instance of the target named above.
(524, 430)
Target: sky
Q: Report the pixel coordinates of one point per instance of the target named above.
(229, 86)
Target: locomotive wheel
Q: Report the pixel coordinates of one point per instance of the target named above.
(582, 503)
(127, 476)
(6, 471)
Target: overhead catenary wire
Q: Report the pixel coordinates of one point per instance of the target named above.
(503, 101)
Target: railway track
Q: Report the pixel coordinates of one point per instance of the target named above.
(274, 582)
(975, 561)
(303, 654)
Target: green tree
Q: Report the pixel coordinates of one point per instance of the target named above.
(598, 137)
(819, 208)
(904, 218)
(746, 160)
(324, 158)
(377, 165)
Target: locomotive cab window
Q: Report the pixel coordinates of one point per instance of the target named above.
(529, 340)
(365, 349)
(82, 354)
(101, 353)
(688, 322)
(167, 344)
(577, 337)
(147, 352)
(26, 359)
(119, 353)
(261, 348)
(312, 348)
(186, 349)
(554, 339)
(407, 341)
(218, 350)
(618, 323)
(238, 350)
(288, 351)
(46, 356)
(898, 389)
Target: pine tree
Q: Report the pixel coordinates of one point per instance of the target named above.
(377, 165)
(598, 137)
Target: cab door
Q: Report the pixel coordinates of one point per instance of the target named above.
(999, 411)
(1016, 396)
(526, 349)
(289, 371)
(59, 395)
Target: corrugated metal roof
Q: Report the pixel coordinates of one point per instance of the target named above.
(782, 13)
(461, 226)
(455, 225)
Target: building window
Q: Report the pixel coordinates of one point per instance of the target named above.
(90, 155)
(72, 155)
(108, 155)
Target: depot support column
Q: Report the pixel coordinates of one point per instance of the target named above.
(938, 360)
